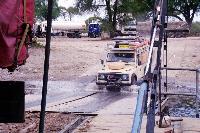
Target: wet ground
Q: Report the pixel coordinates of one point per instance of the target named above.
(80, 95)
(183, 106)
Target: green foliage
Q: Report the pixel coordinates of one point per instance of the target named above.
(140, 9)
(187, 8)
(41, 9)
(136, 6)
(36, 43)
(110, 6)
(72, 11)
(195, 27)
(106, 26)
(93, 19)
(86, 5)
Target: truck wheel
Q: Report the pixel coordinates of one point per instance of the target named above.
(133, 79)
(100, 87)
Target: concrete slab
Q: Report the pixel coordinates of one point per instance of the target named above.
(115, 118)
(118, 118)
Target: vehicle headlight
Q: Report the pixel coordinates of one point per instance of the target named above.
(101, 77)
(125, 77)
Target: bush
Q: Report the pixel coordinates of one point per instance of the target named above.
(36, 44)
(195, 27)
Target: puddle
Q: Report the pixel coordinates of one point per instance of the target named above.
(182, 106)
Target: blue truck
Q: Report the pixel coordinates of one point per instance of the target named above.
(94, 30)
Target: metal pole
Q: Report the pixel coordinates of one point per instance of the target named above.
(46, 66)
(166, 51)
(159, 98)
(151, 113)
(139, 111)
(197, 93)
(183, 69)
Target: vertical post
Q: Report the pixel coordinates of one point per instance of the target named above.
(151, 113)
(46, 66)
(166, 70)
(146, 100)
(166, 49)
(159, 99)
(197, 92)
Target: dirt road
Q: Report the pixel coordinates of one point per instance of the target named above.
(71, 58)
(183, 53)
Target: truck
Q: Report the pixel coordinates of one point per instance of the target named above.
(124, 65)
(129, 29)
(94, 30)
(71, 29)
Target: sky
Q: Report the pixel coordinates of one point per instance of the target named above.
(68, 3)
(77, 18)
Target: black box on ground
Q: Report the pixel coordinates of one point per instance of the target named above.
(12, 102)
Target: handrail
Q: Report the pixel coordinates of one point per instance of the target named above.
(197, 85)
(139, 111)
(183, 69)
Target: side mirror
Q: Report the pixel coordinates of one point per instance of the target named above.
(102, 61)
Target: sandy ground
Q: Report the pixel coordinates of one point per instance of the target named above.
(183, 53)
(71, 58)
(54, 122)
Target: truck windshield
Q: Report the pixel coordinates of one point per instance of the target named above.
(93, 26)
(131, 23)
(124, 57)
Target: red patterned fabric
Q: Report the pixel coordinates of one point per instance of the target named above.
(11, 31)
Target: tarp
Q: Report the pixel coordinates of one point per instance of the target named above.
(11, 30)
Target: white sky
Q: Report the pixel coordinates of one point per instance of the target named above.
(68, 3)
(77, 18)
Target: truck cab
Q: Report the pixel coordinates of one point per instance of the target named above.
(130, 29)
(124, 65)
(94, 30)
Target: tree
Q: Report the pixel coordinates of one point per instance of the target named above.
(114, 8)
(92, 19)
(92, 5)
(71, 11)
(41, 9)
(140, 9)
(187, 8)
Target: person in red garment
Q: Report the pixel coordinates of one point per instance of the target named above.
(16, 20)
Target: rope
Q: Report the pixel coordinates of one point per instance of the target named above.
(23, 40)
(19, 47)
